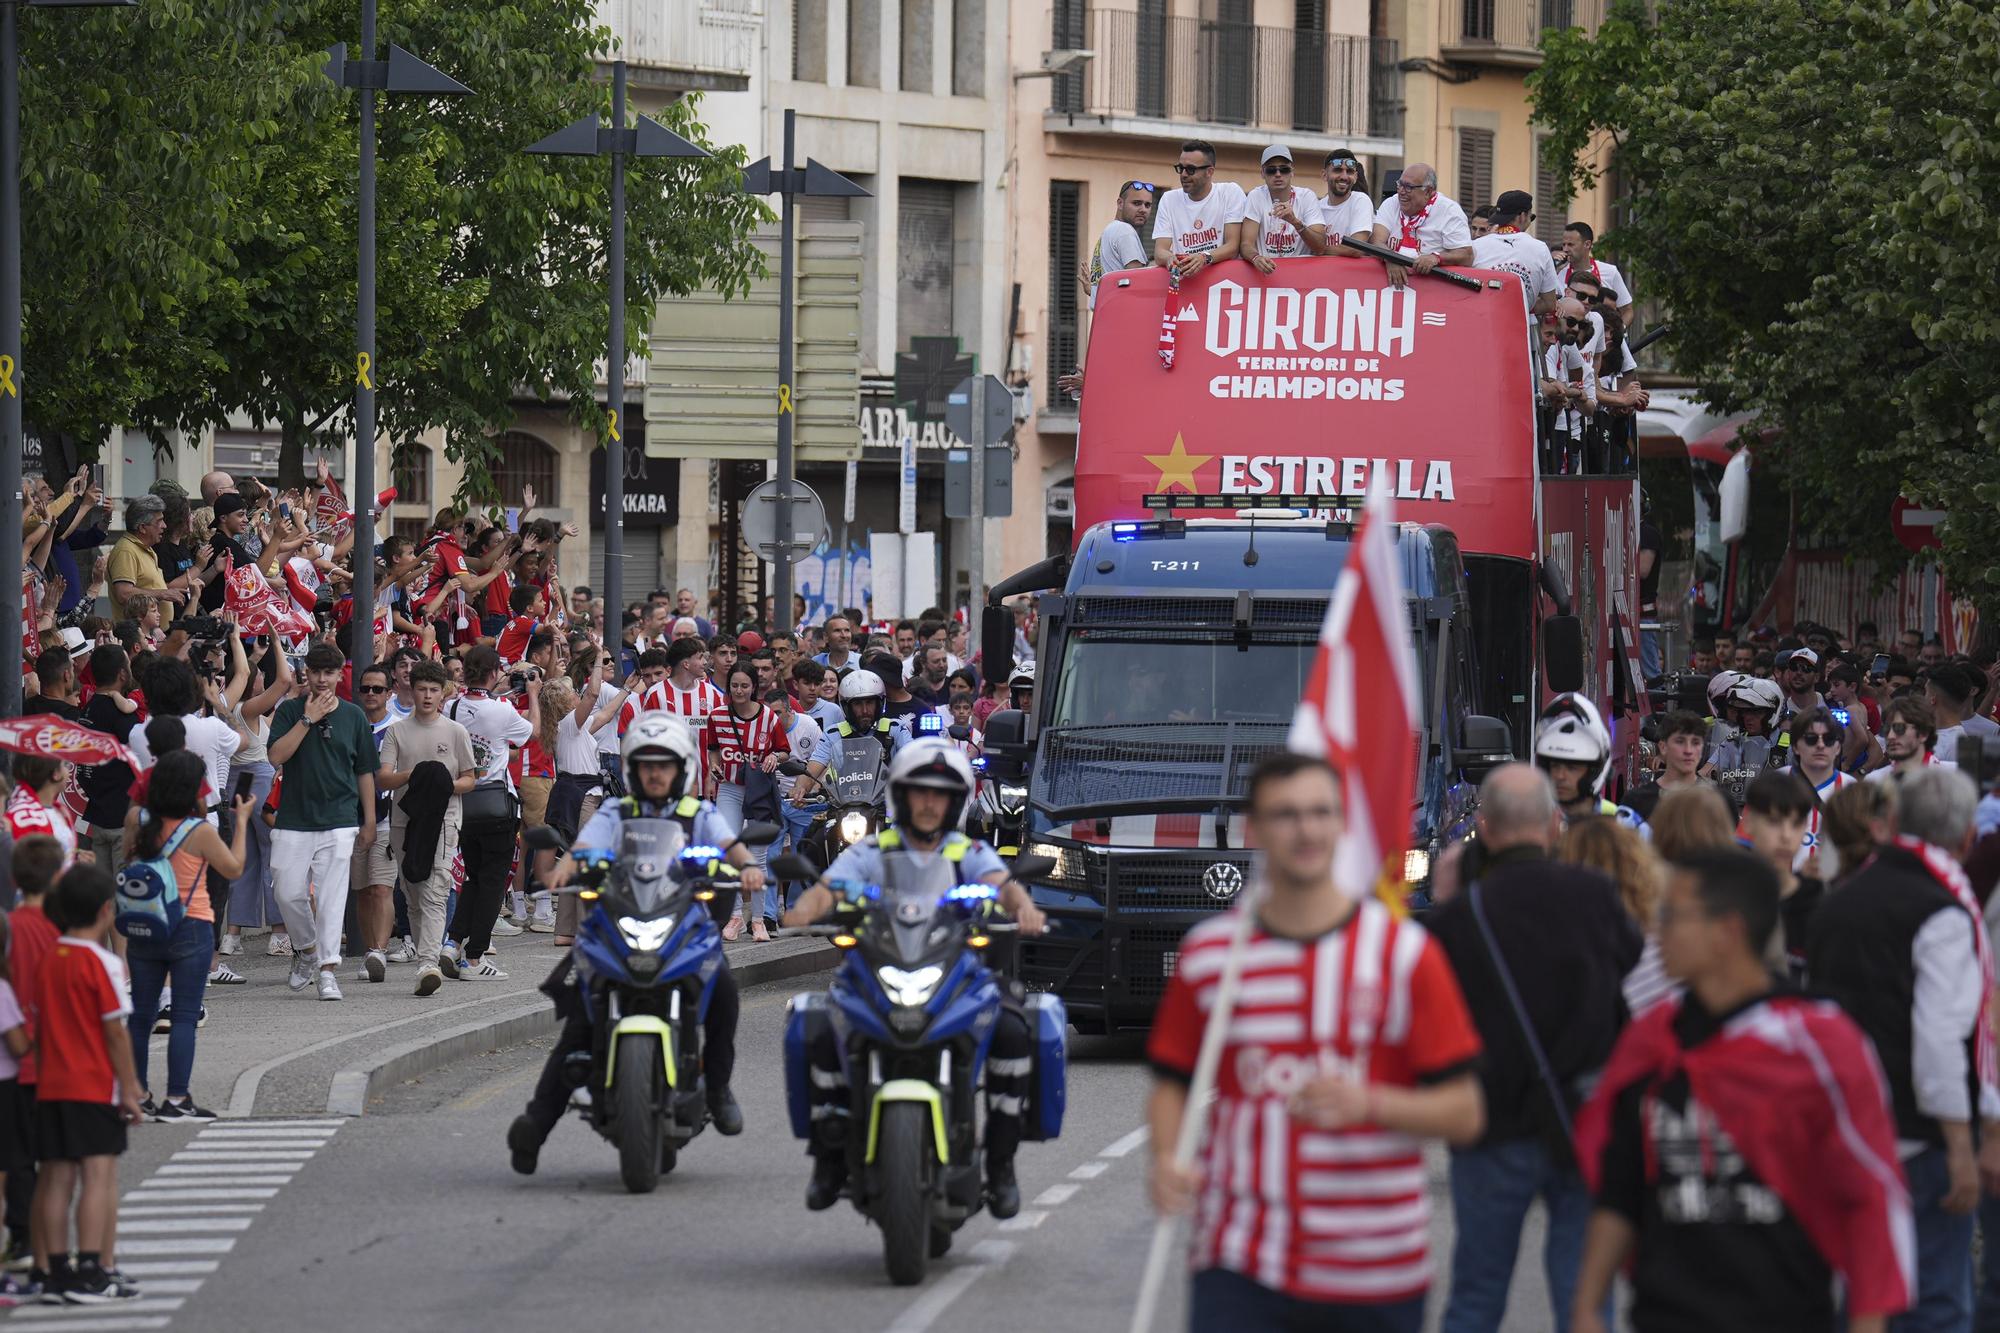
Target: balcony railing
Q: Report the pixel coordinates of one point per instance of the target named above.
(1510, 31)
(1190, 71)
(716, 39)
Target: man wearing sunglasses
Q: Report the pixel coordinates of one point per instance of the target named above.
(1419, 221)
(1280, 220)
(1347, 209)
(1202, 222)
(1909, 730)
(1118, 245)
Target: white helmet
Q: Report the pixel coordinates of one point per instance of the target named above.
(658, 735)
(1022, 677)
(1753, 695)
(863, 684)
(1718, 686)
(932, 763)
(1570, 729)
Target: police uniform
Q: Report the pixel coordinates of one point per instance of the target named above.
(1007, 1059)
(704, 825)
(892, 737)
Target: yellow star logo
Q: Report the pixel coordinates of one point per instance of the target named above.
(1177, 467)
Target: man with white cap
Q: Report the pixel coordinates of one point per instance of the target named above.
(1280, 220)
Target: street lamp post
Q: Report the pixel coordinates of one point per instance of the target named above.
(585, 138)
(12, 374)
(400, 73)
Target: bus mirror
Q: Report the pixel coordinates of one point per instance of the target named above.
(1006, 744)
(1484, 743)
(1735, 517)
(1562, 654)
(996, 636)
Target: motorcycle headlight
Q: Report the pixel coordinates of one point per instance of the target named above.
(646, 936)
(909, 988)
(1416, 865)
(853, 827)
(1013, 795)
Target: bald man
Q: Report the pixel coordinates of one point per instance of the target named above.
(1421, 222)
(216, 484)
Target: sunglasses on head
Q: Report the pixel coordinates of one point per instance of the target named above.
(1347, 162)
(1139, 185)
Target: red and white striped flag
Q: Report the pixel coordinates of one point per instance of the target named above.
(1365, 646)
(1169, 317)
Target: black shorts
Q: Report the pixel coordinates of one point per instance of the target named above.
(72, 1131)
(17, 1152)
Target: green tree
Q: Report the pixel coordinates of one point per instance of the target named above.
(207, 261)
(1813, 188)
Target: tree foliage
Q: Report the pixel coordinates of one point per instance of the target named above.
(189, 249)
(1814, 197)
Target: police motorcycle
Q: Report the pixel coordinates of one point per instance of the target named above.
(647, 957)
(913, 1007)
(999, 815)
(856, 780)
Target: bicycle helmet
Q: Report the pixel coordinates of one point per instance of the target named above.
(858, 685)
(936, 764)
(657, 736)
(1570, 730)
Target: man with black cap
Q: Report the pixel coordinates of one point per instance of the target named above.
(1509, 249)
(232, 516)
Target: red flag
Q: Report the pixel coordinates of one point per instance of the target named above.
(31, 615)
(1366, 642)
(257, 607)
(51, 737)
(1169, 318)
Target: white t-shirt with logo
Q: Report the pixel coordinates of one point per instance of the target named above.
(1278, 239)
(1194, 226)
(1608, 275)
(1444, 226)
(1563, 362)
(1352, 215)
(1118, 248)
(1521, 255)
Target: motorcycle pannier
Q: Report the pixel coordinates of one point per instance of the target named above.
(806, 1016)
(1048, 1027)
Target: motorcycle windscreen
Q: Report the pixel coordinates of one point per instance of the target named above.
(912, 924)
(647, 852)
(855, 774)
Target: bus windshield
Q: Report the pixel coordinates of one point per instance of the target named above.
(1126, 677)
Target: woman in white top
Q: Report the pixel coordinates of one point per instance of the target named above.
(251, 901)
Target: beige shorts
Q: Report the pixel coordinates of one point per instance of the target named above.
(535, 801)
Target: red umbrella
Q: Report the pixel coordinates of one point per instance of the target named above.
(51, 737)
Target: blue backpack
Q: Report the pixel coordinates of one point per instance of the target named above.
(149, 893)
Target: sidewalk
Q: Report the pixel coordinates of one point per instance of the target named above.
(267, 1051)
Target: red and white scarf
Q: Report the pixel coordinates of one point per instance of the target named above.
(1168, 316)
(1946, 870)
(1411, 223)
(1570, 268)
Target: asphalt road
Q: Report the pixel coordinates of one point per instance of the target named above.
(410, 1216)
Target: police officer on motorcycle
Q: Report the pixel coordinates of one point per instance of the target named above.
(1573, 747)
(1021, 687)
(659, 755)
(929, 785)
(862, 696)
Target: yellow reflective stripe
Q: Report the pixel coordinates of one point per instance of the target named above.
(689, 807)
(956, 848)
(888, 840)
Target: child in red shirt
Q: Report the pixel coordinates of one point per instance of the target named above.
(37, 862)
(528, 607)
(88, 1092)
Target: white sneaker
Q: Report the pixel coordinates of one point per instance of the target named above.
(280, 945)
(403, 952)
(484, 970)
(303, 968)
(448, 960)
(329, 985)
(428, 980)
(232, 945)
(505, 927)
(543, 923)
(376, 965)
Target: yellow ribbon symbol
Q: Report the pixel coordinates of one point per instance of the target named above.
(784, 399)
(362, 361)
(614, 427)
(7, 385)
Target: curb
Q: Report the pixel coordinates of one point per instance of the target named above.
(355, 1087)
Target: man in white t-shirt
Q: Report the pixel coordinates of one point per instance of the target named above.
(1280, 220)
(1347, 209)
(1510, 250)
(1422, 222)
(1202, 222)
(1577, 240)
(1118, 245)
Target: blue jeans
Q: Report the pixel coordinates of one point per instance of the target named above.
(1649, 653)
(1226, 1302)
(798, 819)
(1492, 1188)
(1988, 1318)
(183, 959)
(1944, 1252)
(729, 800)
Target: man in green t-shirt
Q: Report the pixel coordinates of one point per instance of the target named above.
(326, 812)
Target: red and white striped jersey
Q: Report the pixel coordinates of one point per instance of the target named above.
(742, 742)
(1338, 1216)
(692, 706)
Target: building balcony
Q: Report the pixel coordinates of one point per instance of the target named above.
(1509, 32)
(684, 45)
(1167, 77)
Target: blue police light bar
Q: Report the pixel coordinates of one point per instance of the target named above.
(703, 853)
(1124, 532)
(972, 893)
(930, 722)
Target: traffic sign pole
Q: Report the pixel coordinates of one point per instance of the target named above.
(975, 564)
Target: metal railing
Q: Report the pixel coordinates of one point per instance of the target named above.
(1190, 71)
(1517, 25)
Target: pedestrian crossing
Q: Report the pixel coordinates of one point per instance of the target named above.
(176, 1226)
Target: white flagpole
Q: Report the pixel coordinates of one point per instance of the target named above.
(1160, 1258)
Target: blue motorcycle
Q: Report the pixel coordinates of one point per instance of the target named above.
(912, 1009)
(647, 957)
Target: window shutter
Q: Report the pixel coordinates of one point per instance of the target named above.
(1475, 168)
(1549, 222)
(926, 236)
(1065, 296)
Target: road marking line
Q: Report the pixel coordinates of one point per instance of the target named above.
(166, 1191)
(143, 1305)
(127, 1209)
(1056, 1195)
(1120, 1147)
(314, 1140)
(93, 1325)
(268, 1172)
(1090, 1171)
(230, 1155)
(181, 1226)
(932, 1305)
(173, 1286)
(274, 1122)
(179, 1245)
(171, 1267)
(1026, 1221)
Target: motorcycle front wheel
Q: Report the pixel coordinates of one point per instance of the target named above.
(635, 1100)
(903, 1161)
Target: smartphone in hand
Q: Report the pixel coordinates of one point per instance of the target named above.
(244, 781)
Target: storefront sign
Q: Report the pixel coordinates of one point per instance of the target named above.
(652, 488)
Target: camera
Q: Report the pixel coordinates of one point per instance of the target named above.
(201, 627)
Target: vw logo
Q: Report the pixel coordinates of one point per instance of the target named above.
(1223, 881)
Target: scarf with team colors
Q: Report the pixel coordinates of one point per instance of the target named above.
(1945, 869)
(1167, 317)
(1411, 224)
